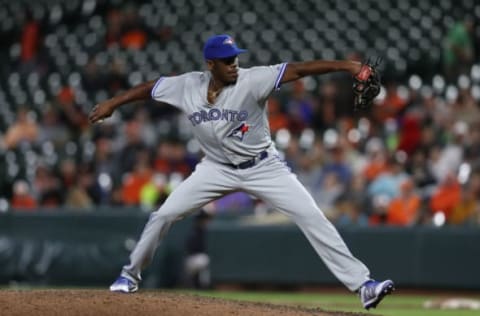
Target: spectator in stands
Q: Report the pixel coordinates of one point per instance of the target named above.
(435, 115)
(388, 182)
(391, 105)
(351, 143)
(24, 130)
(133, 34)
(154, 192)
(458, 53)
(77, 196)
(116, 77)
(172, 157)
(134, 181)
(336, 163)
(429, 138)
(404, 209)
(30, 39)
(93, 77)
(472, 147)
(325, 111)
(105, 168)
(293, 152)
(134, 39)
(71, 113)
(349, 214)
(148, 132)
(47, 187)
(22, 199)
(376, 157)
(379, 210)
(68, 173)
(130, 143)
(116, 198)
(334, 178)
(468, 207)
(300, 108)
(308, 164)
(52, 129)
(84, 192)
(446, 197)
(410, 134)
(277, 118)
(468, 210)
(356, 193)
(93, 186)
(115, 20)
(447, 160)
(465, 108)
(327, 194)
(417, 168)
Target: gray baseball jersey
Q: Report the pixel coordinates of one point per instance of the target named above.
(232, 131)
(235, 128)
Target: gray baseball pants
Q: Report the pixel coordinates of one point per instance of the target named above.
(271, 181)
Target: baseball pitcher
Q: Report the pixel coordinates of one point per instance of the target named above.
(226, 106)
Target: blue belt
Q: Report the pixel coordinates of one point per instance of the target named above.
(249, 163)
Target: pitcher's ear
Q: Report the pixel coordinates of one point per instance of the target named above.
(210, 64)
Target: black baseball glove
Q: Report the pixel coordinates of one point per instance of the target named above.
(366, 84)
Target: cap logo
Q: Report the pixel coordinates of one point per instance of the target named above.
(220, 46)
(228, 41)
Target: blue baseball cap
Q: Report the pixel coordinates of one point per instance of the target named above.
(221, 46)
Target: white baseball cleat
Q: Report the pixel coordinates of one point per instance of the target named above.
(124, 285)
(372, 292)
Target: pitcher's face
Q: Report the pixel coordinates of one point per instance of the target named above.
(224, 69)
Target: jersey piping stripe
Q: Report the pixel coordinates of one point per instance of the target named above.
(156, 85)
(279, 77)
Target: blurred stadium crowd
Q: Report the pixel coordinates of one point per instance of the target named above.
(412, 159)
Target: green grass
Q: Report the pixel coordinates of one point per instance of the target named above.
(394, 305)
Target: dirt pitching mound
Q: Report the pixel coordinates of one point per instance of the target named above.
(102, 302)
